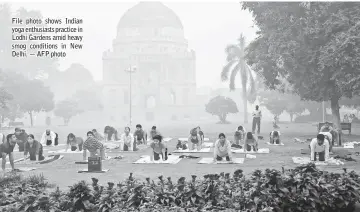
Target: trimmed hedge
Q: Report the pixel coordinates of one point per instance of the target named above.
(302, 189)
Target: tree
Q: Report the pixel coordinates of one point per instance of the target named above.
(294, 106)
(67, 109)
(88, 100)
(221, 106)
(314, 46)
(274, 101)
(236, 64)
(33, 96)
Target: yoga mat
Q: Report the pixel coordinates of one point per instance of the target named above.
(62, 151)
(18, 160)
(172, 159)
(50, 159)
(140, 147)
(86, 171)
(167, 139)
(211, 161)
(306, 160)
(281, 144)
(112, 145)
(203, 150)
(260, 151)
(23, 169)
(86, 161)
(208, 144)
(185, 139)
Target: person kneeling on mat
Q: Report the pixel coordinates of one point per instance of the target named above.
(222, 149)
(239, 137)
(195, 140)
(319, 148)
(181, 145)
(34, 148)
(251, 144)
(275, 137)
(158, 148)
(7, 148)
(127, 141)
(94, 146)
(74, 142)
(49, 138)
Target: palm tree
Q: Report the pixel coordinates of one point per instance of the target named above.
(236, 64)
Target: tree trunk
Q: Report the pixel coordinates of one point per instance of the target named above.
(222, 118)
(291, 117)
(244, 94)
(335, 110)
(31, 118)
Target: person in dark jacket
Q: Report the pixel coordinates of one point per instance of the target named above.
(34, 148)
(21, 137)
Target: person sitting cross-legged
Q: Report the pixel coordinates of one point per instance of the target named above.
(319, 148)
(251, 143)
(94, 146)
(222, 149)
(7, 148)
(74, 142)
(34, 148)
(275, 137)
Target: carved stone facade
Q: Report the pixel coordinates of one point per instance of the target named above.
(150, 37)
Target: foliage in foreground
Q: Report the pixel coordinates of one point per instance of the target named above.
(302, 189)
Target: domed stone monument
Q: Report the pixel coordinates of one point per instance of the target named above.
(150, 42)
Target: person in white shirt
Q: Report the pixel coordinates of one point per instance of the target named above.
(48, 138)
(275, 137)
(256, 119)
(319, 148)
(222, 149)
(127, 141)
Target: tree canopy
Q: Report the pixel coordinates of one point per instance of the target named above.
(221, 106)
(314, 46)
(67, 109)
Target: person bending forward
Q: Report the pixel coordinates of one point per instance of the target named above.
(319, 148)
(158, 147)
(34, 148)
(222, 149)
(195, 140)
(94, 146)
(251, 144)
(127, 141)
(6, 149)
(75, 142)
(275, 137)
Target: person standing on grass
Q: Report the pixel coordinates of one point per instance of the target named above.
(127, 141)
(251, 143)
(319, 148)
(34, 148)
(158, 147)
(21, 137)
(256, 120)
(140, 135)
(94, 146)
(74, 142)
(222, 149)
(275, 137)
(239, 136)
(6, 149)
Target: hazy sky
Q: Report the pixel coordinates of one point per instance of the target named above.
(209, 27)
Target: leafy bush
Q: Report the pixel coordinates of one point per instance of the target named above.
(302, 189)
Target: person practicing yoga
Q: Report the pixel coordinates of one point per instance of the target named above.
(222, 149)
(239, 137)
(200, 132)
(153, 132)
(319, 148)
(21, 137)
(74, 142)
(98, 135)
(140, 135)
(251, 143)
(6, 149)
(49, 138)
(275, 137)
(110, 134)
(159, 148)
(94, 146)
(181, 145)
(34, 148)
(330, 132)
(195, 140)
(127, 141)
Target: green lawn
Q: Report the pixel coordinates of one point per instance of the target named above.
(64, 172)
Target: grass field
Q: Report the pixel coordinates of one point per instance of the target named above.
(64, 172)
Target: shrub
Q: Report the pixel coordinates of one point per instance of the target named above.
(302, 189)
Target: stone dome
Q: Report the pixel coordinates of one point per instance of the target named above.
(150, 14)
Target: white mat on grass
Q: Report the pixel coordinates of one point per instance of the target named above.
(208, 144)
(22, 169)
(306, 160)
(350, 145)
(63, 151)
(268, 143)
(185, 139)
(111, 145)
(211, 161)
(172, 159)
(167, 139)
(192, 151)
(260, 151)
